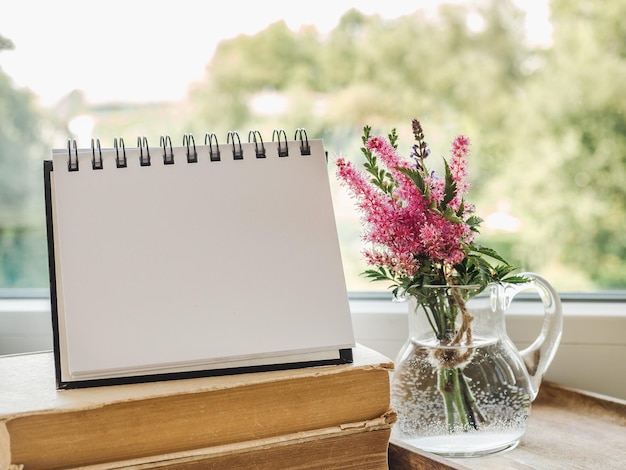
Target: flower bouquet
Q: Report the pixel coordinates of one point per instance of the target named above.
(421, 237)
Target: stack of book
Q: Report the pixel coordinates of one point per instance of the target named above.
(328, 417)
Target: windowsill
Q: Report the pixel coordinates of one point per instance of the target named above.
(589, 357)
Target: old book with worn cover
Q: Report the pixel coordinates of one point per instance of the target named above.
(353, 446)
(42, 427)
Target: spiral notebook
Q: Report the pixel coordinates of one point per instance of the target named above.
(193, 260)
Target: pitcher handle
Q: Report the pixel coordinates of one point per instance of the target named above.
(539, 355)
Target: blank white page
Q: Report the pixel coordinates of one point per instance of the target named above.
(166, 266)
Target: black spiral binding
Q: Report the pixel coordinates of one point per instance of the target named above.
(210, 140)
(187, 141)
(280, 136)
(72, 165)
(237, 149)
(141, 143)
(96, 163)
(214, 154)
(167, 159)
(255, 136)
(305, 148)
(121, 163)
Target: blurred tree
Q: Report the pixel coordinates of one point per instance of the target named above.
(19, 124)
(581, 102)
(273, 60)
(22, 244)
(547, 123)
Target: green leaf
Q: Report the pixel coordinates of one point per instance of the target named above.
(380, 274)
(517, 279)
(450, 215)
(450, 187)
(393, 138)
(491, 253)
(416, 177)
(461, 208)
(474, 221)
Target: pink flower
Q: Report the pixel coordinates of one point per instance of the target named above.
(391, 223)
(402, 264)
(458, 168)
(403, 225)
(460, 146)
(406, 191)
(437, 187)
(388, 155)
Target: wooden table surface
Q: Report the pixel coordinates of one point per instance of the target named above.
(568, 430)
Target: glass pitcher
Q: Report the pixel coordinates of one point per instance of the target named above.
(461, 388)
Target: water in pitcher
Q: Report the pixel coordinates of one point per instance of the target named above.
(498, 383)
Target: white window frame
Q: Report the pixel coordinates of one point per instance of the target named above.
(591, 355)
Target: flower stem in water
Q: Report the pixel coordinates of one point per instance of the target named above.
(458, 399)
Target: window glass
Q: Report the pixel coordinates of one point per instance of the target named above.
(537, 87)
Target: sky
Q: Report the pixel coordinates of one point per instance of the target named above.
(140, 50)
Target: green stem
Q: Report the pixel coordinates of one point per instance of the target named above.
(445, 387)
(471, 406)
(442, 315)
(433, 319)
(458, 400)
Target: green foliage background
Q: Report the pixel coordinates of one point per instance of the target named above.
(547, 123)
